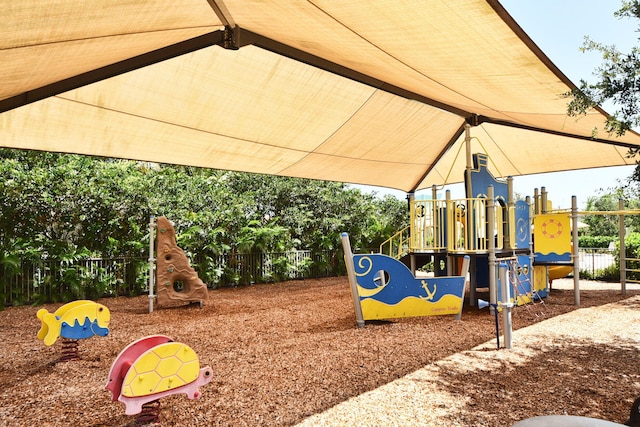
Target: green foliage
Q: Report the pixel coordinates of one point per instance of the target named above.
(608, 274)
(603, 225)
(632, 254)
(595, 241)
(632, 245)
(617, 81)
(609, 225)
(64, 208)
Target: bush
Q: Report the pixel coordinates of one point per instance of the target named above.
(608, 274)
(595, 241)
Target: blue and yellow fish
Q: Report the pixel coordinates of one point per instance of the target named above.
(74, 320)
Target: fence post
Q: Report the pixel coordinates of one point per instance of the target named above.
(575, 250)
(623, 251)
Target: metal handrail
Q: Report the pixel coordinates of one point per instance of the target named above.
(397, 245)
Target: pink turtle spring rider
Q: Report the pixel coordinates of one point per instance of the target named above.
(151, 368)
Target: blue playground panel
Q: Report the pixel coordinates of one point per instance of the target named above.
(387, 289)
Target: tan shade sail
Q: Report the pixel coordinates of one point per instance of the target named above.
(368, 92)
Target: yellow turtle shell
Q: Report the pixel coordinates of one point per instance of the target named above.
(161, 368)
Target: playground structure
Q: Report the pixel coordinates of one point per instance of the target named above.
(177, 281)
(151, 368)
(486, 232)
(73, 321)
(491, 228)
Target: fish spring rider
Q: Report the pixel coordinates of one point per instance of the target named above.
(75, 320)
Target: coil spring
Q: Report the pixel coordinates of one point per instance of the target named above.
(150, 414)
(69, 350)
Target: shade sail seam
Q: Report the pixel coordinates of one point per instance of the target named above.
(565, 134)
(111, 70)
(108, 36)
(320, 144)
(310, 59)
(395, 58)
(430, 169)
(264, 144)
(500, 149)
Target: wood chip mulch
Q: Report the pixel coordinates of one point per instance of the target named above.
(290, 353)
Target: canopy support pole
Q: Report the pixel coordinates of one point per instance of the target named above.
(506, 305)
(467, 171)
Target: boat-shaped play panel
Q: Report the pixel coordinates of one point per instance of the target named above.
(387, 290)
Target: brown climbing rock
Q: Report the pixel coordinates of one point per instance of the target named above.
(173, 268)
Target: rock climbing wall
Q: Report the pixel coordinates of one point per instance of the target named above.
(176, 280)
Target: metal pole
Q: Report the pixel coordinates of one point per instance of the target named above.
(469, 230)
(469, 166)
(491, 247)
(436, 224)
(472, 282)
(623, 251)
(506, 306)
(465, 270)
(576, 253)
(152, 261)
(543, 210)
(348, 260)
(415, 233)
(510, 236)
(531, 251)
(451, 231)
(495, 316)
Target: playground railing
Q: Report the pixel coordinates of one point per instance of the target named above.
(397, 245)
(458, 225)
(428, 225)
(632, 270)
(467, 225)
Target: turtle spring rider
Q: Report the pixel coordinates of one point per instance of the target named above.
(151, 368)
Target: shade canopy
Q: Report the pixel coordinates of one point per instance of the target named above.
(359, 91)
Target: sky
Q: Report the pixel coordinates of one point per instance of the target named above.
(558, 27)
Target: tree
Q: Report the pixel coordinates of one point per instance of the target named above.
(608, 225)
(63, 207)
(618, 82)
(602, 225)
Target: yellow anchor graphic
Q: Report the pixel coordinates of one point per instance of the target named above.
(430, 295)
